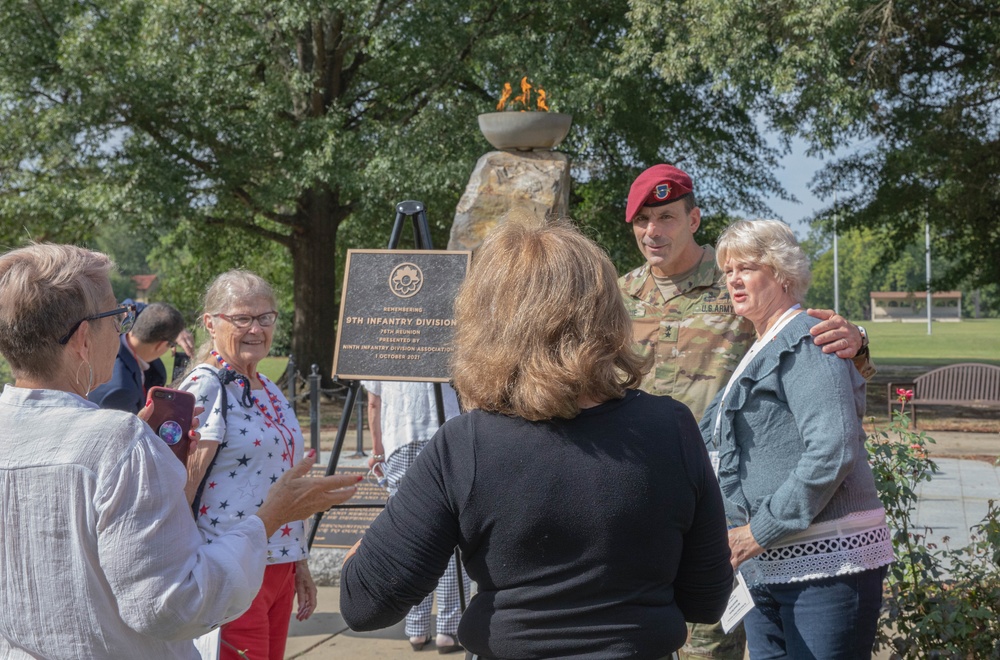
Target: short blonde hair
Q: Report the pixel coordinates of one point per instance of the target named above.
(44, 289)
(769, 243)
(227, 289)
(541, 323)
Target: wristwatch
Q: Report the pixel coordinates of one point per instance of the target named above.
(864, 341)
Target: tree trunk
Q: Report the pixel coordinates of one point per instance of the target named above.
(314, 259)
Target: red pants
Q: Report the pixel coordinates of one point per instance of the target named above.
(261, 632)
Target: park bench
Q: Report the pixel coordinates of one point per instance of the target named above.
(967, 384)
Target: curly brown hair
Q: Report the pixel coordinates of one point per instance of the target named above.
(541, 324)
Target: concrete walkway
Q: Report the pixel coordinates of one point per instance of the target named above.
(325, 636)
(953, 501)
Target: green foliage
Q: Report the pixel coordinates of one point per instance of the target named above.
(910, 85)
(5, 375)
(859, 274)
(869, 262)
(214, 131)
(185, 272)
(129, 247)
(939, 602)
(982, 302)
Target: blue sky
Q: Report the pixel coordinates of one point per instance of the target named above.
(796, 172)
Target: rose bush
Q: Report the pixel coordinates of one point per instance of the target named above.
(939, 602)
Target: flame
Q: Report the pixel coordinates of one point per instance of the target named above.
(525, 96)
(524, 99)
(507, 91)
(542, 105)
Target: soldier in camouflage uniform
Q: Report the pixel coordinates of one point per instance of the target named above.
(681, 312)
(696, 337)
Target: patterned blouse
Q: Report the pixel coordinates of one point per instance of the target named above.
(256, 445)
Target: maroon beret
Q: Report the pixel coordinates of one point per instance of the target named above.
(660, 184)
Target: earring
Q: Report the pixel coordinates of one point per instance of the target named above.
(90, 377)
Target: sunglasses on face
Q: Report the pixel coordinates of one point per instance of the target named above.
(122, 325)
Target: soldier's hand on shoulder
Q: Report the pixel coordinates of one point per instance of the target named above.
(835, 334)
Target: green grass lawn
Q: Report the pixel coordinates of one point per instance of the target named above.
(272, 367)
(909, 343)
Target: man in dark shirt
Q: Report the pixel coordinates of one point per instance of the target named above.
(138, 366)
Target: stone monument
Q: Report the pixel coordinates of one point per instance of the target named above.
(524, 173)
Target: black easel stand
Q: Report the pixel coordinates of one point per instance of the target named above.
(422, 240)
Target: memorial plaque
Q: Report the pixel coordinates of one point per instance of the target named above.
(397, 314)
(343, 525)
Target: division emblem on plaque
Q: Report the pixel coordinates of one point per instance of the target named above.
(406, 280)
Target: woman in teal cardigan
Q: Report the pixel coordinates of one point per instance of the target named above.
(807, 529)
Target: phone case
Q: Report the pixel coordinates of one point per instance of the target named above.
(173, 411)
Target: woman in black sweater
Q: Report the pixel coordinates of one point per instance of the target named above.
(586, 511)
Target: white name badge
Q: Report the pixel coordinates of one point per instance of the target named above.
(740, 603)
(714, 457)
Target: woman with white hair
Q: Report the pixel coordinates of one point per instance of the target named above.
(807, 527)
(250, 437)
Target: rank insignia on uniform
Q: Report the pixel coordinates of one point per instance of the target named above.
(662, 191)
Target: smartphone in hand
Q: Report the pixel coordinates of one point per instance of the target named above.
(173, 411)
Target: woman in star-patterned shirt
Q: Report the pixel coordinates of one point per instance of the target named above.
(253, 441)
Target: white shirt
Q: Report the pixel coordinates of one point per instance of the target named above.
(409, 411)
(99, 552)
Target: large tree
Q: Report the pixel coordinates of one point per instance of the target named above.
(223, 128)
(912, 86)
(863, 270)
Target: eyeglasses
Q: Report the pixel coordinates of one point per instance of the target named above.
(265, 320)
(121, 325)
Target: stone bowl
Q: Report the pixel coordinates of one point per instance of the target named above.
(524, 131)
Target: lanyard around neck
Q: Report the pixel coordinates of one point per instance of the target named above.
(771, 333)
